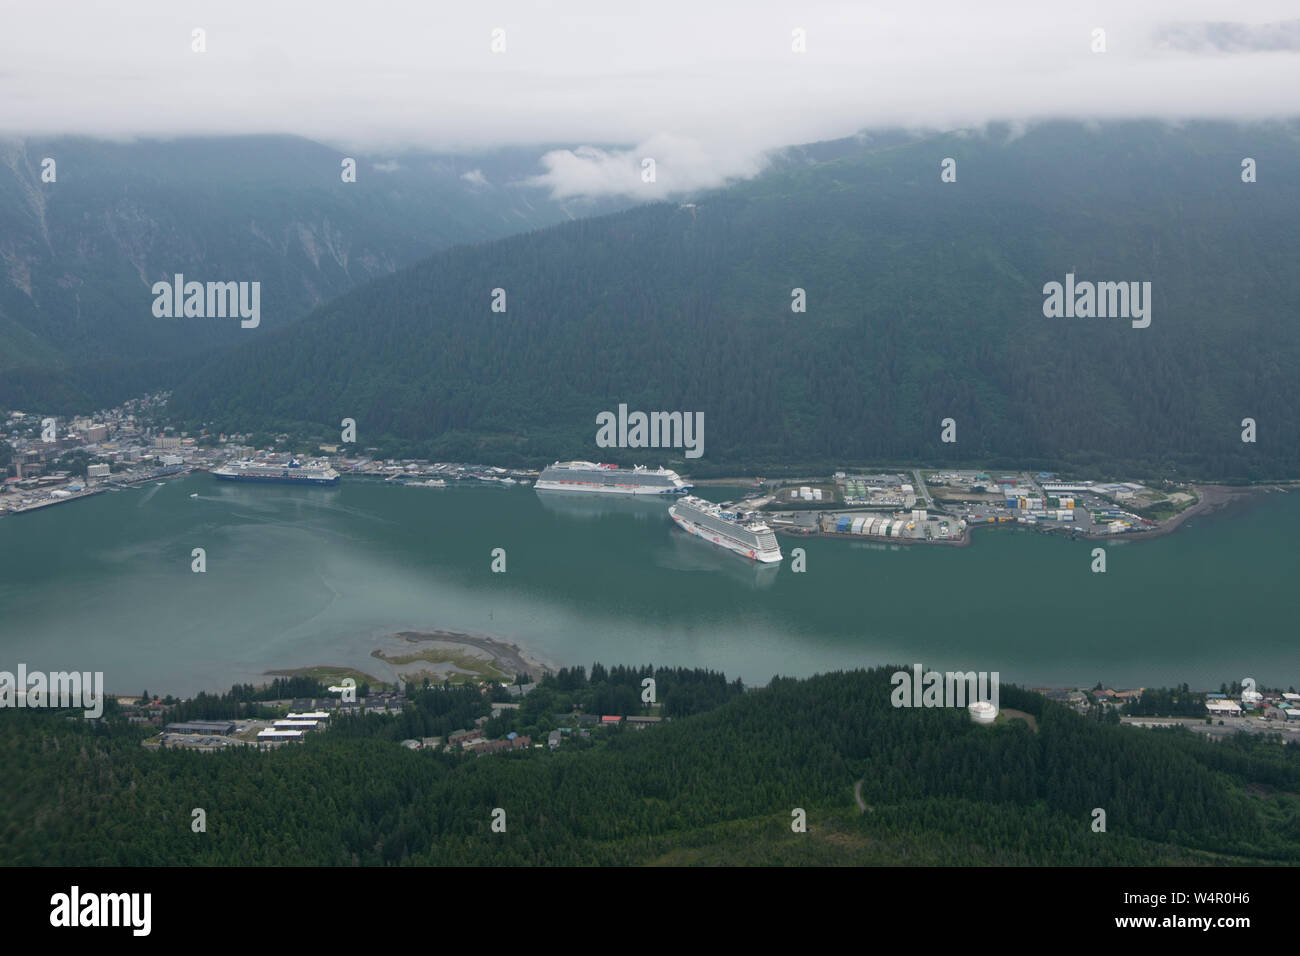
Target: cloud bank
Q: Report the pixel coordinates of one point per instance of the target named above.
(704, 89)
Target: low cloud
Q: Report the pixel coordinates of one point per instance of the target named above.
(475, 177)
(702, 89)
(680, 165)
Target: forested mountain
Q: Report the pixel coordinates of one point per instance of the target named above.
(717, 786)
(924, 302)
(79, 255)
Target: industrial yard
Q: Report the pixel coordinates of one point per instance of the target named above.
(942, 507)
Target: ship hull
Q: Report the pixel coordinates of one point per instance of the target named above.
(772, 556)
(586, 487)
(276, 479)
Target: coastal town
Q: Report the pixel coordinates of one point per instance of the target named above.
(50, 460)
(1213, 714)
(305, 716)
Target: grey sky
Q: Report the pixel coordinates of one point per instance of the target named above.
(703, 87)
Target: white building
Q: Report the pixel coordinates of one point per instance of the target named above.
(297, 725)
(271, 736)
(1223, 708)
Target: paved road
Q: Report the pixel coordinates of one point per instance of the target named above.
(922, 490)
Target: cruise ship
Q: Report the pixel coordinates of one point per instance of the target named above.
(736, 531)
(588, 476)
(292, 472)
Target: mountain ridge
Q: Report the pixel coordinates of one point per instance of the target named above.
(924, 303)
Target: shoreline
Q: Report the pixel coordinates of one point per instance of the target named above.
(1210, 498)
(962, 542)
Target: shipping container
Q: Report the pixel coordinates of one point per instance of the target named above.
(857, 525)
(842, 524)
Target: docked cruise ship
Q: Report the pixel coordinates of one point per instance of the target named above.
(736, 531)
(291, 472)
(588, 476)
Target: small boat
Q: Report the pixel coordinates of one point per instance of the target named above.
(195, 495)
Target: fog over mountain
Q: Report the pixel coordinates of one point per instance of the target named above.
(702, 89)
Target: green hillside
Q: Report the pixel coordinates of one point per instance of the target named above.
(925, 302)
(78, 256)
(715, 786)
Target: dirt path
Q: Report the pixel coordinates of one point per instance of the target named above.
(857, 795)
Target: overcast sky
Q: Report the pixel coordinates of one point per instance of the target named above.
(703, 86)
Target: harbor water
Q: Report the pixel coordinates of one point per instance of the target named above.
(316, 576)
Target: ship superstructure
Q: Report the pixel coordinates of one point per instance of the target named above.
(293, 472)
(591, 477)
(738, 531)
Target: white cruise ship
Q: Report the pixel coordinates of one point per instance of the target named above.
(292, 472)
(610, 479)
(736, 531)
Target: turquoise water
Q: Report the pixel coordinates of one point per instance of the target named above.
(303, 576)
